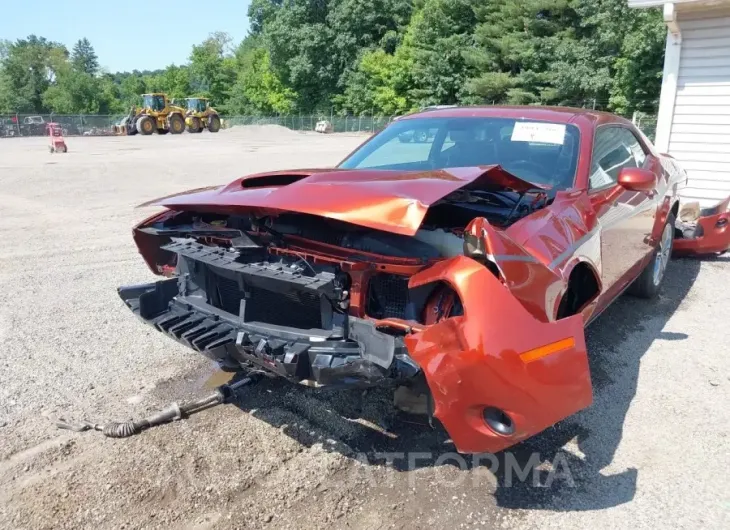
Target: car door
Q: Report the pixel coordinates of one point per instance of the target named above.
(626, 218)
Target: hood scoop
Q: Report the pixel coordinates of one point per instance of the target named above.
(271, 181)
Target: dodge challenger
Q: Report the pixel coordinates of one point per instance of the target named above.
(463, 266)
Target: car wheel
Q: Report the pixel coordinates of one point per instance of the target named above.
(421, 136)
(648, 283)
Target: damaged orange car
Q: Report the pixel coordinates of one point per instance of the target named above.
(464, 266)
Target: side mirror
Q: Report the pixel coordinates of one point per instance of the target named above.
(637, 179)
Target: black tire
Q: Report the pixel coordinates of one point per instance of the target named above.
(145, 125)
(195, 126)
(214, 123)
(162, 131)
(176, 124)
(649, 282)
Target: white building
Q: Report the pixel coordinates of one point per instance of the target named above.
(694, 110)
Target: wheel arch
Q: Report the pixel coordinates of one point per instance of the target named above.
(174, 114)
(582, 288)
(674, 210)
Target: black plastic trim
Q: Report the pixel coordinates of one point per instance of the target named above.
(364, 359)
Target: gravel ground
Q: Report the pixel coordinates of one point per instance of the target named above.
(652, 450)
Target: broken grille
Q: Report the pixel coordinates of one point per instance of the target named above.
(387, 296)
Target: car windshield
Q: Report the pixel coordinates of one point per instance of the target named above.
(537, 151)
(153, 102)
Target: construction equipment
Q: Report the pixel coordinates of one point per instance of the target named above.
(200, 115)
(155, 114)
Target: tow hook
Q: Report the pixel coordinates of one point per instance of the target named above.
(223, 394)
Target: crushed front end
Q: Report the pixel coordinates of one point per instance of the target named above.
(307, 314)
(462, 313)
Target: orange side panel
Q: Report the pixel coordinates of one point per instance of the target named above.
(716, 234)
(498, 355)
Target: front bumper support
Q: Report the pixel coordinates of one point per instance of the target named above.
(314, 355)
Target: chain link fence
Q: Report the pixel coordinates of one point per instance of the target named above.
(646, 123)
(15, 125)
(72, 125)
(308, 122)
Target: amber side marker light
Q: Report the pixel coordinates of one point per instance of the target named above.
(547, 349)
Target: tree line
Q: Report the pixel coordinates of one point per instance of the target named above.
(372, 56)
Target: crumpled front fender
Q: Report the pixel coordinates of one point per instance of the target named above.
(714, 225)
(498, 355)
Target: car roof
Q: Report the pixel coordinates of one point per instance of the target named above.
(553, 114)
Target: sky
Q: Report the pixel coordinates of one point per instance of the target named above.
(126, 34)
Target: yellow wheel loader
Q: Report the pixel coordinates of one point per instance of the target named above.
(156, 114)
(200, 115)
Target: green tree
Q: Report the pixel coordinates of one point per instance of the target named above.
(260, 12)
(75, 92)
(131, 87)
(439, 36)
(213, 67)
(638, 70)
(29, 68)
(619, 55)
(360, 26)
(299, 43)
(373, 86)
(173, 81)
(384, 56)
(515, 49)
(83, 57)
(258, 90)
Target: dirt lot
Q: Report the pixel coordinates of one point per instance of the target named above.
(651, 451)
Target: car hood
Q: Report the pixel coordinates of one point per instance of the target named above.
(393, 201)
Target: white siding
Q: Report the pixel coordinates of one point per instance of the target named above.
(700, 134)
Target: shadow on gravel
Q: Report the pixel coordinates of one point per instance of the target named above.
(559, 469)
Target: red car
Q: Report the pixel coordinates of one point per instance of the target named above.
(464, 266)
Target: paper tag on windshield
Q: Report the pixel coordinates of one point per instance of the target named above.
(539, 132)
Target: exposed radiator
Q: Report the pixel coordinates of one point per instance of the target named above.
(296, 309)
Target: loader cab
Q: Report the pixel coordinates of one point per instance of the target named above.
(155, 102)
(197, 104)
